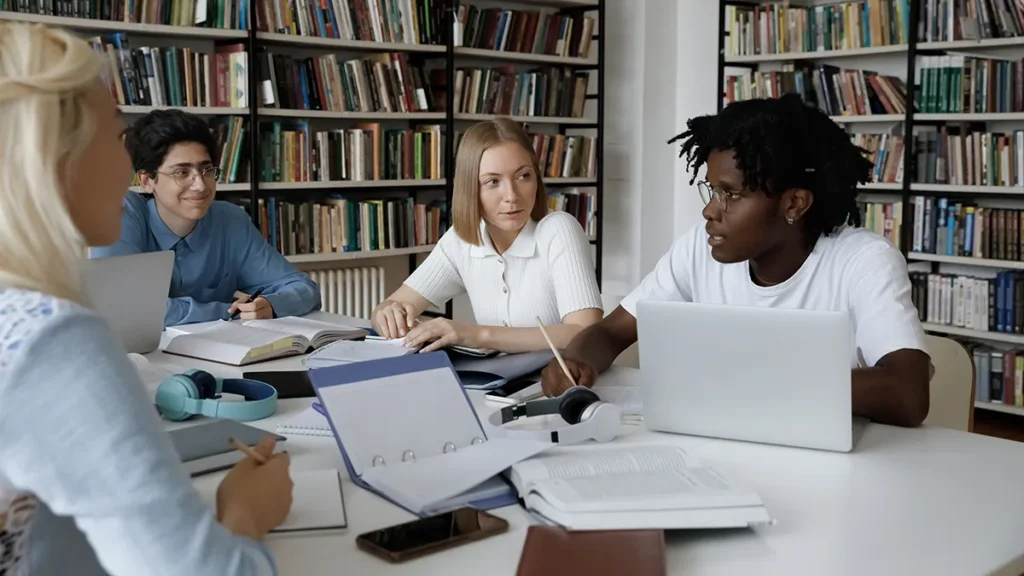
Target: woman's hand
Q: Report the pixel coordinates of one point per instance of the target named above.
(255, 498)
(441, 332)
(392, 319)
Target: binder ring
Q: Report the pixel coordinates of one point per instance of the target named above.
(377, 461)
(449, 447)
(408, 456)
(477, 440)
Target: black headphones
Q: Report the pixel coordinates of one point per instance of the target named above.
(588, 417)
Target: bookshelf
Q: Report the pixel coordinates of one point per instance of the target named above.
(957, 151)
(311, 90)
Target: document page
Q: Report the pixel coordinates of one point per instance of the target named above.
(586, 462)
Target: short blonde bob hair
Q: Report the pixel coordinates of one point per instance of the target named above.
(466, 196)
(46, 123)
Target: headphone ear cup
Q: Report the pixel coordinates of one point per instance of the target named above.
(574, 401)
(205, 382)
(178, 386)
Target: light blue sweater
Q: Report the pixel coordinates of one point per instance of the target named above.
(78, 432)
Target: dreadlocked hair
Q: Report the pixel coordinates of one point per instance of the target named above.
(782, 144)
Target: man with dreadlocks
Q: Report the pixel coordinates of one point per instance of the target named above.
(781, 231)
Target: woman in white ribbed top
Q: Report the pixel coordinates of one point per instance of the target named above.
(515, 261)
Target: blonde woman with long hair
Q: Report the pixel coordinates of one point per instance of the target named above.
(514, 260)
(89, 482)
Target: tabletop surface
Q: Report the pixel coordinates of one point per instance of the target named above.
(904, 501)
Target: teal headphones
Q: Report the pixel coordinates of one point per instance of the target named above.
(196, 392)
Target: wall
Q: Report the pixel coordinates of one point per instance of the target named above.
(661, 70)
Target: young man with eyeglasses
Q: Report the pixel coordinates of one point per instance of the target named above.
(220, 256)
(781, 231)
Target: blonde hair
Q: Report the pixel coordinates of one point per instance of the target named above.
(46, 123)
(466, 195)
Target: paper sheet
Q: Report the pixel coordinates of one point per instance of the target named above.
(317, 500)
(348, 351)
(150, 374)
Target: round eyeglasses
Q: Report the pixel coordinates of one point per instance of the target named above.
(184, 177)
(707, 192)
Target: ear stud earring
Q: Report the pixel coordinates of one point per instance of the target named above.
(789, 220)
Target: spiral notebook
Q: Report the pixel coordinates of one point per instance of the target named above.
(309, 422)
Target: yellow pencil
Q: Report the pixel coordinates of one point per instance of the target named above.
(248, 451)
(555, 352)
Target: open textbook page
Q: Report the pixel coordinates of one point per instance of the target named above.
(633, 487)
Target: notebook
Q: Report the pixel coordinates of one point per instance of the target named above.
(309, 422)
(242, 343)
(640, 486)
(550, 551)
(318, 502)
(206, 448)
(408, 432)
(349, 351)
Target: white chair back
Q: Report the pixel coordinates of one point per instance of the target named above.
(952, 385)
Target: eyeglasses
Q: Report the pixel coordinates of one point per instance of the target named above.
(186, 176)
(707, 192)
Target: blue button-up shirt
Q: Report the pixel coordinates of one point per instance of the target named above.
(224, 253)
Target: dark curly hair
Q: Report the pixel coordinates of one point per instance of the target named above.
(781, 144)
(150, 138)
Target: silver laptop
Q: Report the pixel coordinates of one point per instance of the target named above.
(766, 375)
(130, 293)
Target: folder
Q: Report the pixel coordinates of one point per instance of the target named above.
(408, 431)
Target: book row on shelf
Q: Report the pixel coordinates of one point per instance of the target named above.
(839, 92)
(953, 155)
(882, 218)
(558, 92)
(398, 21)
(221, 14)
(172, 76)
(783, 28)
(532, 32)
(955, 83)
(378, 83)
(955, 228)
(386, 82)
(950, 84)
(339, 224)
(983, 304)
(885, 151)
(998, 375)
(948, 157)
(952, 20)
(291, 152)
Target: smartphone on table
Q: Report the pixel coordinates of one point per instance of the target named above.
(432, 534)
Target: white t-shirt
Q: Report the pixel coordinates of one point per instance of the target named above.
(546, 272)
(853, 271)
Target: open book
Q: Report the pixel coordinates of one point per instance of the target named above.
(640, 486)
(241, 343)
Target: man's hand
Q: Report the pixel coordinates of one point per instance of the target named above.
(553, 380)
(258, 309)
(441, 332)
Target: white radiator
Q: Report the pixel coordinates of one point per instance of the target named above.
(350, 291)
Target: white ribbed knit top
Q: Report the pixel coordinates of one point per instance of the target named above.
(546, 272)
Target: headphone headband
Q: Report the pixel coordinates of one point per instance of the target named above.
(196, 392)
(588, 417)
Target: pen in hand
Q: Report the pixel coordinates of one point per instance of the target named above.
(248, 451)
(554, 350)
(249, 301)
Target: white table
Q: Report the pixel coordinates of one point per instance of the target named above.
(906, 501)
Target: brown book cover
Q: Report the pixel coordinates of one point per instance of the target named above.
(551, 551)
